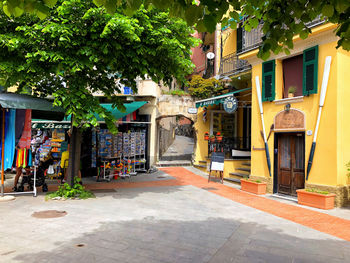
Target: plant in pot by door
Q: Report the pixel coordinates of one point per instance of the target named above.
(212, 138)
(253, 186)
(316, 198)
(218, 137)
(291, 91)
(206, 136)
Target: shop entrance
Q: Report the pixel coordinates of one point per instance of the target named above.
(290, 162)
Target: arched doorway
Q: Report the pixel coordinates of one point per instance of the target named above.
(176, 139)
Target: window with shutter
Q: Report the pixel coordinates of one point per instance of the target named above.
(310, 70)
(268, 81)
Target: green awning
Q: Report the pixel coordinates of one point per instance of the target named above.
(41, 108)
(129, 108)
(218, 99)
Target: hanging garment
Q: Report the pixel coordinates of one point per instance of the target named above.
(24, 158)
(10, 120)
(26, 137)
(20, 118)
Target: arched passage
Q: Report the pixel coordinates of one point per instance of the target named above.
(175, 140)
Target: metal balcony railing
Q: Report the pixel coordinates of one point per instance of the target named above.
(251, 40)
(231, 65)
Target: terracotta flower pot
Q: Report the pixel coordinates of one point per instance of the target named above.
(206, 137)
(212, 139)
(290, 95)
(219, 138)
(253, 187)
(322, 201)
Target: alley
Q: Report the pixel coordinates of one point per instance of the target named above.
(172, 215)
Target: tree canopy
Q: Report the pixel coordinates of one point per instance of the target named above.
(80, 50)
(282, 18)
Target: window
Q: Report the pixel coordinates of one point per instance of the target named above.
(268, 81)
(293, 76)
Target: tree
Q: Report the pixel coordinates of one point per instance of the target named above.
(204, 88)
(282, 18)
(80, 50)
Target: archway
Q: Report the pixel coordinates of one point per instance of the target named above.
(176, 139)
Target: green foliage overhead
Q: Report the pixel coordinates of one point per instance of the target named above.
(282, 18)
(80, 50)
(204, 88)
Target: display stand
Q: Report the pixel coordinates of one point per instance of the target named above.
(217, 164)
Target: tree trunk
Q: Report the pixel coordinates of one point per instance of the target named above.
(74, 155)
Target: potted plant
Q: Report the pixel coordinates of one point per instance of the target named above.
(291, 91)
(206, 136)
(253, 186)
(212, 138)
(316, 198)
(218, 137)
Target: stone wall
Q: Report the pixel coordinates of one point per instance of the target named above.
(166, 136)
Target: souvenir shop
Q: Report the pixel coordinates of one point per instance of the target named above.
(16, 151)
(103, 154)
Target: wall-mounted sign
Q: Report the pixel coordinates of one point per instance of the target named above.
(192, 110)
(292, 120)
(50, 125)
(230, 104)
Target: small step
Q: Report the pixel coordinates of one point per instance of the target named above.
(173, 163)
(234, 180)
(240, 175)
(243, 169)
(202, 161)
(246, 164)
(200, 166)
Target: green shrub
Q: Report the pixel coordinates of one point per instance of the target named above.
(177, 92)
(204, 88)
(67, 192)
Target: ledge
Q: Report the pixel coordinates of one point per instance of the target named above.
(289, 100)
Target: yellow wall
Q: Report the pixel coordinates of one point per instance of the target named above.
(324, 169)
(201, 149)
(229, 38)
(343, 124)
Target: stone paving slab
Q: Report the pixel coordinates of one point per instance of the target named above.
(159, 223)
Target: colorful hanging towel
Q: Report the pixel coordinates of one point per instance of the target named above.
(24, 158)
(26, 137)
(9, 154)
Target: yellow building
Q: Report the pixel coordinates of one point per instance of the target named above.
(291, 86)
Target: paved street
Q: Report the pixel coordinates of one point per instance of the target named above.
(172, 215)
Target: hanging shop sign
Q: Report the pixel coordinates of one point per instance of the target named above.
(50, 125)
(192, 110)
(230, 104)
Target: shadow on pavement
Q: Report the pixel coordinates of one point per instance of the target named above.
(215, 240)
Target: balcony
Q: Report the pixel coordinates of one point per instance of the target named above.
(231, 65)
(252, 40)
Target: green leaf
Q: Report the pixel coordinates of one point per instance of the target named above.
(304, 34)
(99, 2)
(328, 10)
(50, 3)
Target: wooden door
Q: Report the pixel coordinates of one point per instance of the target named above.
(291, 163)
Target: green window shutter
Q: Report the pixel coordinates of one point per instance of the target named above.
(310, 70)
(268, 81)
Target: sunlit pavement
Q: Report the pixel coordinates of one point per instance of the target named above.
(173, 215)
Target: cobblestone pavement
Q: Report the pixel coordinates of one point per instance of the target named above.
(158, 218)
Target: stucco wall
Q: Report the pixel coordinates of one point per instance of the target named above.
(324, 169)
